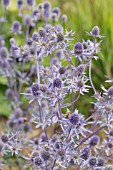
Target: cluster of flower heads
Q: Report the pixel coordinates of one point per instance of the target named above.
(63, 138)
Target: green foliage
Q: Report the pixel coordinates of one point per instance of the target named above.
(4, 104)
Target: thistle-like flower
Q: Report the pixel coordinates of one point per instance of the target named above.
(16, 27)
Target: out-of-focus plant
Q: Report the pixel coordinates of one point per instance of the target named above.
(82, 16)
(67, 138)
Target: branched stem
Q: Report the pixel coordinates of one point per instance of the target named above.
(21, 82)
(53, 164)
(85, 139)
(90, 66)
(69, 104)
(40, 106)
(90, 77)
(79, 165)
(38, 72)
(51, 65)
(60, 111)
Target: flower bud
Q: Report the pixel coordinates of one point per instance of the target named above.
(92, 162)
(35, 89)
(27, 20)
(57, 83)
(64, 18)
(80, 69)
(54, 16)
(59, 53)
(74, 118)
(5, 2)
(4, 53)
(85, 153)
(4, 138)
(38, 161)
(30, 2)
(16, 27)
(94, 140)
(56, 10)
(20, 3)
(62, 70)
(100, 162)
(42, 32)
(111, 133)
(35, 36)
(27, 128)
(45, 155)
(9, 93)
(78, 48)
(60, 37)
(46, 5)
(29, 41)
(95, 31)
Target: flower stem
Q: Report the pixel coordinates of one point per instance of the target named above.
(95, 132)
(21, 82)
(40, 106)
(38, 72)
(51, 66)
(90, 78)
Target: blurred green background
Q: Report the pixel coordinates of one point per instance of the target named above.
(83, 15)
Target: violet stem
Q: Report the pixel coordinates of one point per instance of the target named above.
(20, 12)
(69, 61)
(90, 66)
(51, 66)
(73, 94)
(38, 72)
(40, 107)
(21, 82)
(46, 165)
(90, 78)
(15, 77)
(28, 72)
(109, 155)
(79, 165)
(91, 116)
(69, 104)
(38, 76)
(99, 116)
(45, 133)
(8, 79)
(53, 164)
(60, 112)
(89, 136)
(73, 99)
(68, 137)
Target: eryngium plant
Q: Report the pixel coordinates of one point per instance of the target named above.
(62, 137)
